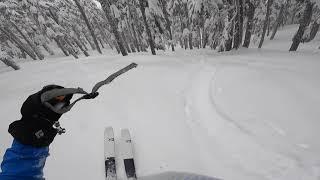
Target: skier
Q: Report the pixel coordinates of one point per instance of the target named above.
(33, 134)
(36, 130)
(39, 126)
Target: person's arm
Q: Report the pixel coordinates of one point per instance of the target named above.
(32, 134)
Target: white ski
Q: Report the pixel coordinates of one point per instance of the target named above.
(127, 150)
(109, 154)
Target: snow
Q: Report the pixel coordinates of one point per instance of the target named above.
(245, 115)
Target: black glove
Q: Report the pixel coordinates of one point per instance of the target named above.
(36, 125)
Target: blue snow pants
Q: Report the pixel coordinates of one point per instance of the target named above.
(23, 162)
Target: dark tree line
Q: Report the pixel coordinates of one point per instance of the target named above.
(32, 28)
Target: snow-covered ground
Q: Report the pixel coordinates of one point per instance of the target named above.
(244, 115)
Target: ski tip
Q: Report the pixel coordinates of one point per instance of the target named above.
(133, 65)
(108, 131)
(125, 133)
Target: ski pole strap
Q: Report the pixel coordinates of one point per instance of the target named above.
(113, 76)
(46, 96)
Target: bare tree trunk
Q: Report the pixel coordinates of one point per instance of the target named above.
(313, 32)
(134, 35)
(181, 28)
(135, 39)
(200, 39)
(101, 43)
(89, 41)
(168, 23)
(295, 10)
(265, 26)
(88, 25)
(278, 21)
(307, 15)
(181, 43)
(205, 39)
(186, 43)
(79, 38)
(241, 20)
(236, 41)
(268, 26)
(250, 15)
(102, 33)
(157, 23)
(108, 41)
(143, 46)
(238, 24)
(190, 40)
(125, 42)
(114, 25)
(150, 38)
(131, 39)
(23, 54)
(117, 47)
(14, 39)
(131, 28)
(69, 47)
(228, 44)
(10, 63)
(132, 44)
(48, 49)
(81, 47)
(60, 45)
(31, 44)
(229, 41)
(189, 26)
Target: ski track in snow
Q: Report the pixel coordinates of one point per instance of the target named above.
(200, 116)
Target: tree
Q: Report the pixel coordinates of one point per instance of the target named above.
(14, 39)
(7, 53)
(229, 27)
(30, 43)
(250, 15)
(313, 28)
(84, 16)
(279, 19)
(265, 25)
(111, 11)
(305, 21)
(168, 23)
(313, 32)
(238, 24)
(143, 5)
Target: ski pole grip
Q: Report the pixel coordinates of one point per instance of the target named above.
(91, 95)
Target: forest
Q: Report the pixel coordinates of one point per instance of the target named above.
(36, 29)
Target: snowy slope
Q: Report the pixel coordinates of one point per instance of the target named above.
(246, 115)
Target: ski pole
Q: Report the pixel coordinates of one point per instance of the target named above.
(45, 97)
